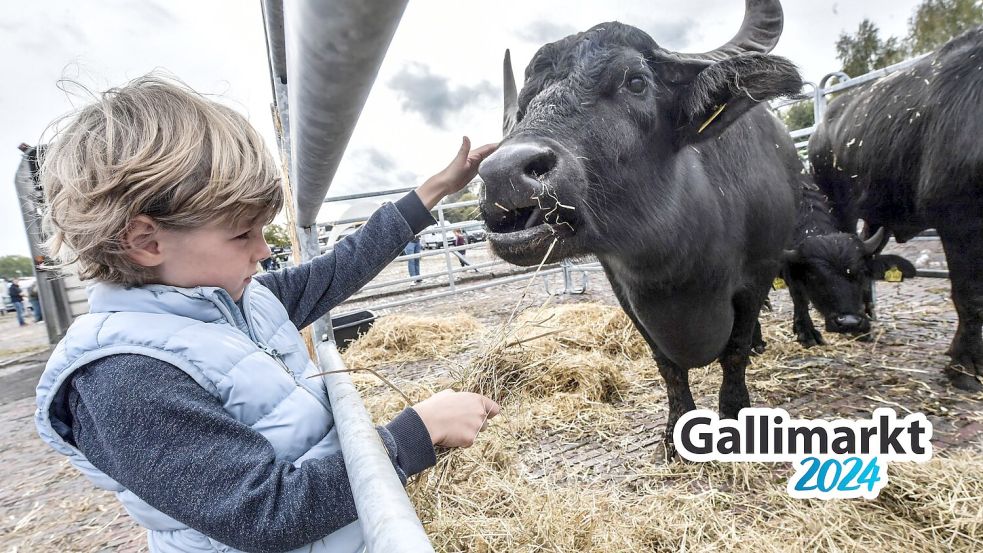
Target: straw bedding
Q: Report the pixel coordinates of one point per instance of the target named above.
(580, 374)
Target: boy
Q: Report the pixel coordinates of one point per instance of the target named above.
(185, 388)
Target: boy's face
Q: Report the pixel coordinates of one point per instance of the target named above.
(220, 255)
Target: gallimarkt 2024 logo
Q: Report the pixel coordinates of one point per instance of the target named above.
(838, 459)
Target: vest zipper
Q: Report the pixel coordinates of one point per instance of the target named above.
(272, 352)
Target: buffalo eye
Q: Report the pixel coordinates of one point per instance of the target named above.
(636, 85)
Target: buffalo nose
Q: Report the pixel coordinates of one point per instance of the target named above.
(517, 170)
(848, 322)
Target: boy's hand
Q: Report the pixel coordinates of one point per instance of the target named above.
(459, 173)
(455, 418)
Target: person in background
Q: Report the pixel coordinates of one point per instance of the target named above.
(17, 299)
(35, 300)
(413, 264)
(461, 239)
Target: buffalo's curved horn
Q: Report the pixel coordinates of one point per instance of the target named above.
(760, 30)
(791, 256)
(511, 96)
(875, 242)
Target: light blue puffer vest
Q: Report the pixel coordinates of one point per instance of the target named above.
(255, 365)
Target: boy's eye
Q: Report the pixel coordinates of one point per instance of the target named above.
(243, 236)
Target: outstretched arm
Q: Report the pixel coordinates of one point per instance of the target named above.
(310, 290)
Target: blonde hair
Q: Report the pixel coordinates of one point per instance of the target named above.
(157, 148)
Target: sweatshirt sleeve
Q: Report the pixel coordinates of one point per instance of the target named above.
(311, 289)
(150, 427)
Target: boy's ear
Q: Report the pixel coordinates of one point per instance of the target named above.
(724, 91)
(140, 241)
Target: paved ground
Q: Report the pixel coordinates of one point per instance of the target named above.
(46, 506)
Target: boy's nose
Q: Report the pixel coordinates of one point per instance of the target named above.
(264, 250)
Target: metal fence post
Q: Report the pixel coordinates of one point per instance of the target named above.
(324, 56)
(447, 252)
(389, 522)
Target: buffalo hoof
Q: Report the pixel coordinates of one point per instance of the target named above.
(758, 345)
(960, 378)
(966, 355)
(809, 338)
(669, 449)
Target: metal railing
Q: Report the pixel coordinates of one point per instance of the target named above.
(388, 520)
(324, 56)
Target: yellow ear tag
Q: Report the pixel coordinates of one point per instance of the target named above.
(779, 283)
(893, 275)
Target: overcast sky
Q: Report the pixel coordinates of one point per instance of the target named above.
(440, 79)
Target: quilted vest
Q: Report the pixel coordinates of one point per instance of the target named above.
(258, 374)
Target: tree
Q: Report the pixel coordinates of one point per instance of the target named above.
(276, 235)
(800, 116)
(461, 214)
(936, 21)
(15, 266)
(864, 51)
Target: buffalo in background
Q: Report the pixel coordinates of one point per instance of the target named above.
(834, 271)
(905, 154)
(665, 167)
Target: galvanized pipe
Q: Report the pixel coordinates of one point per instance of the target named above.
(273, 19)
(389, 523)
(368, 195)
(333, 52)
(51, 287)
(867, 77)
(496, 282)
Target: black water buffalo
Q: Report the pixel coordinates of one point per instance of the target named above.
(905, 153)
(665, 167)
(833, 270)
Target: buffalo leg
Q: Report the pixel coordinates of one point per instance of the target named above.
(964, 255)
(678, 392)
(802, 325)
(758, 344)
(677, 378)
(734, 359)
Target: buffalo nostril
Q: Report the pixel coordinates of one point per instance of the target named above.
(541, 163)
(848, 321)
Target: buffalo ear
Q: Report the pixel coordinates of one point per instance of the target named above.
(881, 263)
(724, 91)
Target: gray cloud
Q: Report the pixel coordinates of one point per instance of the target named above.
(369, 169)
(541, 32)
(672, 35)
(432, 96)
(378, 159)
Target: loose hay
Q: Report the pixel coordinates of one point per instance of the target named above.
(580, 374)
(396, 339)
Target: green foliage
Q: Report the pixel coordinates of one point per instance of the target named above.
(460, 214)
(937, 21)
(864, 51)
(15, 266)
(932, 25)
(799, 116)
(276, 235)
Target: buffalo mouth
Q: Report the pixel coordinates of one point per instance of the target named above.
(523, 235)
(856, 325)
